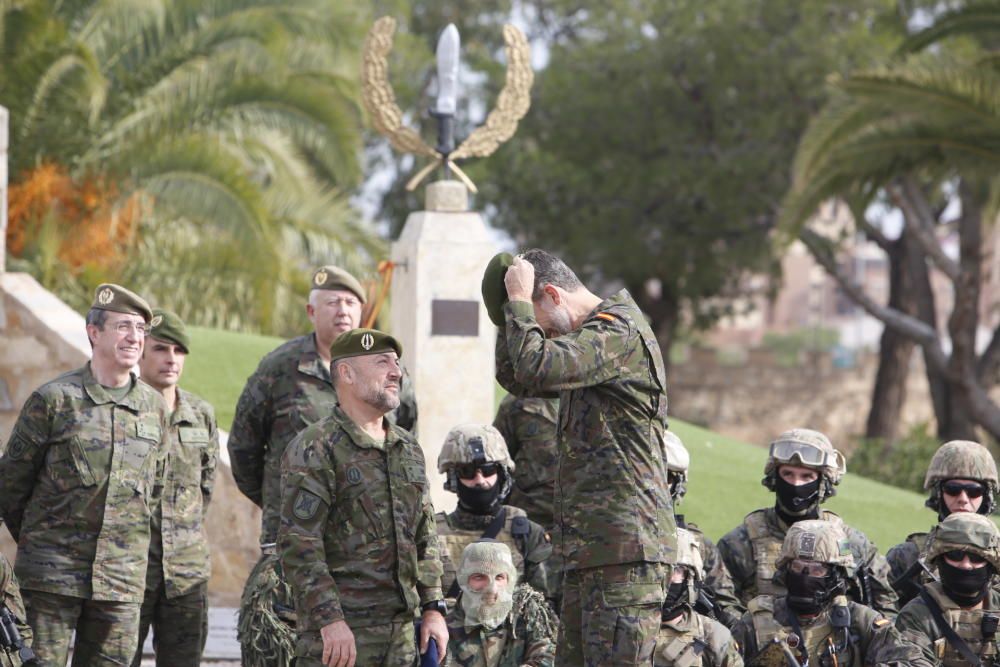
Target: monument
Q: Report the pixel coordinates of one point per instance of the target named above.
(437, 312)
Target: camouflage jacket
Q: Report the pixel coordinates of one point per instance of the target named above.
(769, 618)
(693, 640)
(290, 390)
(12, 600)
(750, 553)
(76, 484)
(612, 503)
(526, 639)
(178, 547)
(915, 638)
(528, 543)
(717, 579)
(528, 425)
(357, 539)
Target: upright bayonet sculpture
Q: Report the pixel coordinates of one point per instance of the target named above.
(380, 101)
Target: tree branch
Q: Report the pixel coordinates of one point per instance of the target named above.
(988, 365)
(908, 196)
(905, 325)
(875, 235)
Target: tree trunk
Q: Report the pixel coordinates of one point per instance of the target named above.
(664, 312)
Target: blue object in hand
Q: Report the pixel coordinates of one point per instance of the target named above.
(430, 658)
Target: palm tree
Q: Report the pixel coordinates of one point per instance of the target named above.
(236, 120)
(898, 132)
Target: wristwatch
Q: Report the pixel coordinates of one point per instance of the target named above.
(435, 605)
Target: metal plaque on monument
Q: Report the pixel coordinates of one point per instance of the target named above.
(437, 312)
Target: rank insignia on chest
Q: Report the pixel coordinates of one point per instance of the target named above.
(306, 504)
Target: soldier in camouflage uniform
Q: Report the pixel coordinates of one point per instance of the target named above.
(616, 522)
(357, 540)
(176, 599)
(962, 477)
(719, 600)
(11, 593)
(479, 470)
(687, 638)
(290, 390)
(528, 426)
(951, 622)
(803, 470)
(76, 483)
(814, 620)
(491, 626)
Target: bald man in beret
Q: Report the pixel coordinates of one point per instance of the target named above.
(76, 483)
(357, 541)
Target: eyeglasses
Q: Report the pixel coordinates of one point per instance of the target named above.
(468, 470)
(809, 567)
(957, 556)
(787, 451)
(972, 489)
(125, 328)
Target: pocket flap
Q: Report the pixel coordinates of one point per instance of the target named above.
(195, 436)
(632, 595)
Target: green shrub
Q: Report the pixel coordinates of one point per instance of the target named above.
(902, 463)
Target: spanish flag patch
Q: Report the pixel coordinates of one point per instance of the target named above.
(608, 317)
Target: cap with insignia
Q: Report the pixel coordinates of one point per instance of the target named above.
(333, 277)
(494, 290)
(359, 342)
(116, 298)
(167, 326)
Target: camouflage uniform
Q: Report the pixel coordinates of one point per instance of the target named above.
(528, 426)
(915, 637)
(750, 551)
(841, 635)
(357, 540)
(525, 639)
(958, 459)
(76, 484)
(12, 600)
(176, 600)
(616, 523)
(687, 638)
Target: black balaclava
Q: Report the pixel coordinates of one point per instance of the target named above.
(677, 597)
(795, 503)
(809, 595)
(485, 502)
(965, 587)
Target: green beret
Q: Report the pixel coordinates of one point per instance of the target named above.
(116, 298)
(167, 326)
(332, 277)
(359, 342)
(494, 291)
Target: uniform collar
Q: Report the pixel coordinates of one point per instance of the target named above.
(360, 438)
(99, 394)
(310, 362)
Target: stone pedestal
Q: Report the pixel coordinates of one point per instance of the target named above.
(438, 316)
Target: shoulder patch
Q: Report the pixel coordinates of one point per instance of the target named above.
(306, 505)
(881, 622)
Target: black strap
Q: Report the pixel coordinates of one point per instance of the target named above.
(949, 632)
(804, 652)
(490, 533)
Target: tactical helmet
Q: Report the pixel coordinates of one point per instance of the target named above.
(961, 459)
(809, 449)
(689, 556)
(475, 444)
(678, 461)
(966, 531)
(817, 540)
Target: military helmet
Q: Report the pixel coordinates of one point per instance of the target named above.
(961, 459)
(966, 531)
(817, 540)
(678, 461)
(474, 444)
(689, 556)
(809, 449)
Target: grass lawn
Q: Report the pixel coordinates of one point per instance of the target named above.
(725, 473)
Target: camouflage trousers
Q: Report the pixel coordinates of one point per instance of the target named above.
(180, 626)
(386, 645)
(611, 614)
(106, 632)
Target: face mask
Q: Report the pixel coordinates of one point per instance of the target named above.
(795, 503)
(488, 607)
(966, 587)
(479, 501)
(810, 595)
(677, 596)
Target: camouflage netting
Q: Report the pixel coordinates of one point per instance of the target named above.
(266, 627)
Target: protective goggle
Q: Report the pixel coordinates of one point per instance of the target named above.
(808, 567)
(972, 489)
(468, 470)
(957, 555)
(788, 451)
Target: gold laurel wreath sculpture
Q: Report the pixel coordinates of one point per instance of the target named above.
(501, 123)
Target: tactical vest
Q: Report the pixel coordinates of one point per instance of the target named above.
(967, 624)
(818, 637)
(767, 548)
(682, 649)
(454, 540)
